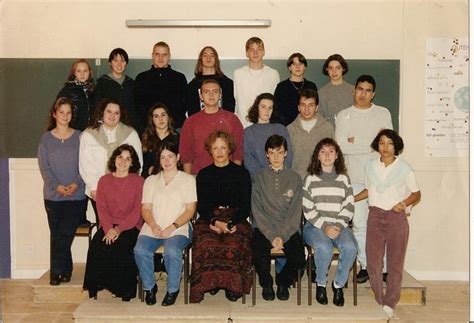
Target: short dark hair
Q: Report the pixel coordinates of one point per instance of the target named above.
(391, 134)
(118, 52)
(309, 93)
(275, 141)
(224, 135)
(172, 146)
(252, 116)
(210, 81)
(315, 168)
(134, 167)
(300, 58)
(340, 59)
(366, 78)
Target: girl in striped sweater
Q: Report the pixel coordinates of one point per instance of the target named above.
(328, 206)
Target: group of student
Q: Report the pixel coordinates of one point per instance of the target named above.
(232, 152)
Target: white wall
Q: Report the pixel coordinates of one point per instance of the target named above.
(438, 247)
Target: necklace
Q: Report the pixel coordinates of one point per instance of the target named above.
(117, 182)
(296, 88)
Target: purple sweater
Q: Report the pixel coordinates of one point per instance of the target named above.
(59, 165)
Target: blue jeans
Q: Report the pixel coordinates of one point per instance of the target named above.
(173, 256)
(323, 252)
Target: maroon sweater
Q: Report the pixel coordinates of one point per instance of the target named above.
(119, 202)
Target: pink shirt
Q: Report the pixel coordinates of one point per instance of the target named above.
(119, 201)
(198, 127)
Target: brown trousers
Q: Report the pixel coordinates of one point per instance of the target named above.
(386, 229)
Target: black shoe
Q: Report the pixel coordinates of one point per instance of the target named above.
(66, 278)
(362, 276)
(214, 291)
(282, 293)
(170, 298)
(54, 280)
(338, 298)
(321, 295)
(231, 296)
(126, 299)
(268, 293)
(384, 277)
(150, 295)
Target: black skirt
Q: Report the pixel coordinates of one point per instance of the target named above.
(112, 266)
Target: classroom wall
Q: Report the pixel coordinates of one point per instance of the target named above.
(438, 246)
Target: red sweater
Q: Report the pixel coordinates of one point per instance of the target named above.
(196, 129)
(119, 202)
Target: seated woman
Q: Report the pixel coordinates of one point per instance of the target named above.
(328, 206)
(169, 203)
(63, 190)
(392, 189)
(159, 129)
(110, 262)
(222, 236)
(263, 115)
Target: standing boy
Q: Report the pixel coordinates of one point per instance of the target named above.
(253, 79)
(161, 84)
(356, 127)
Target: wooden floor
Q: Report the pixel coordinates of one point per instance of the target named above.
(446, 301)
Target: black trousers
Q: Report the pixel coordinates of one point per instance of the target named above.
(63, 219)
(294, 252)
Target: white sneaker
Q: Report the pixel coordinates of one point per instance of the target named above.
(392, 315)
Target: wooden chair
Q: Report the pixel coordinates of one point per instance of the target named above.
(161, 251)
(310, 264)
(85, 231)
(274, 254)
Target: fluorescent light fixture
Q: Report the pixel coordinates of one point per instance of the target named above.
(164, 23)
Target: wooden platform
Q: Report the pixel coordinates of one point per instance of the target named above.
(217, 308)
(68, 293)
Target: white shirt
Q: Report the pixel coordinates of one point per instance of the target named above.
(393, 194)
(363, 125)
(248, 84)
(93, 157)
(168, 201)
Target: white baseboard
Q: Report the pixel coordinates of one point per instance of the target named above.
(28, 273)
(440, 275)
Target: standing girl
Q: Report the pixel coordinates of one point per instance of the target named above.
(263, 115)
(79, 87)
(159, 129)
(391, 188)
(63, 190)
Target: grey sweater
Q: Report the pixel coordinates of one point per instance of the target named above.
(277, 203)
(304, 142)
(334, 98)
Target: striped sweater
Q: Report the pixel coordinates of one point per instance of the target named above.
(328, 200)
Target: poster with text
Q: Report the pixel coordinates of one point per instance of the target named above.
(447, 98)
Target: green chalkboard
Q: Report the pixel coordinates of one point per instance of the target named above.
(29, 87)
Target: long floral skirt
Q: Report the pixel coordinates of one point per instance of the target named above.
(220, 260)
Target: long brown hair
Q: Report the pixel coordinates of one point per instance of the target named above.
(150, 139)
(166, 145)
(217, 65)
(58, 103)
(315, 168)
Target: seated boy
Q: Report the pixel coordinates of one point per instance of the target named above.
(276, 210)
